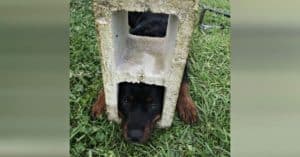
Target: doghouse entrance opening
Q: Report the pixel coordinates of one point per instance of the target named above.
(148, 24)
(145, 97)
(142, 56)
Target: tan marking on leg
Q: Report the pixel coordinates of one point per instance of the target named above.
(185, 105)
(99, 106)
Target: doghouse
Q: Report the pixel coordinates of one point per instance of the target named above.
(151, 60)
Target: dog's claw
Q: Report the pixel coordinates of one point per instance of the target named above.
(99, 106)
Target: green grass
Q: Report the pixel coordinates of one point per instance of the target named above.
(209, 72)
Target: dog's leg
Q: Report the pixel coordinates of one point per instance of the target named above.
(99, 105)
(185, 105)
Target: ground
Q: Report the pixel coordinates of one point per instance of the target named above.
(209, 74)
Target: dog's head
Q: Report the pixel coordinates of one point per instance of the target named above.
(140, 107)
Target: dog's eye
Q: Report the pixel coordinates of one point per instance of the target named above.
(125, 100)
(149, 99)
(128, 99)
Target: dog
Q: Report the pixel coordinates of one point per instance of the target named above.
(139, 104)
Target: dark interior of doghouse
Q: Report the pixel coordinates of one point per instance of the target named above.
(148, 24)
(131, 94)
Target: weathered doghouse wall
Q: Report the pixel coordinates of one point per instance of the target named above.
(152, 60)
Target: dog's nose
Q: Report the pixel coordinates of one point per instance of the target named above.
(135, 135)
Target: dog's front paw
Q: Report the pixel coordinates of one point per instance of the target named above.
(186, 109)
(99, 106)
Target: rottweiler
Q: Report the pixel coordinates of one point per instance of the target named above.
(140, 105)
